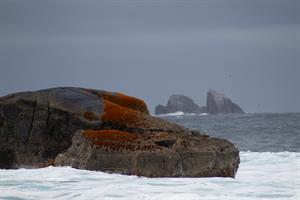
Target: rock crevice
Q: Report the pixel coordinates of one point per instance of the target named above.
(31, 121)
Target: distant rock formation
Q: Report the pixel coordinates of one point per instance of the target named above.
(179, 103)
(216, 103)
(107, 131)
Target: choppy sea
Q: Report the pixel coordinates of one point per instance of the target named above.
(269, 168)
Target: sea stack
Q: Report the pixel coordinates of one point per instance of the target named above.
(179, 103)
(217, 103)
(106, 131)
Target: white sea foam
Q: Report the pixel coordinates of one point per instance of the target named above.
(261, 176)
(180, 113)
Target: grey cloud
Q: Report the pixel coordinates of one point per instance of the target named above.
(153, 49)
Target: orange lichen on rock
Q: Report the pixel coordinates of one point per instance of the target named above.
(90, 116)
(47, 163)
(118, 140)
(112, 139)
(126, 101)
(120, 115)
(109, 135)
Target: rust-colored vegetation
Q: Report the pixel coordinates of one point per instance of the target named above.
(126, 101)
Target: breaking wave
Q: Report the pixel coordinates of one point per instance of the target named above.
(180, 113)
(261, 175)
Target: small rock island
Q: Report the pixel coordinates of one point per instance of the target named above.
(215, 103)
(106, 131)
(179, 103)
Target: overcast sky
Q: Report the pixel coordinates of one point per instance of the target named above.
(249, 50)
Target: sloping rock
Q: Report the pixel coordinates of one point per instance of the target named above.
(100, 130)
(179, 103)
(218, 103)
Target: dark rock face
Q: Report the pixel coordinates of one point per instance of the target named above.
(39, 125)
(110, 132)
(179, 103)
(218, 103)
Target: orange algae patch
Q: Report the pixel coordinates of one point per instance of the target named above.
(119, 114)
(126, 101)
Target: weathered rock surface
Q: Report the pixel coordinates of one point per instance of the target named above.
(179, 103)
(106, 131)
(217, 103)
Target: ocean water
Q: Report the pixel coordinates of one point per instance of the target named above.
(261, 132)
(269, 168)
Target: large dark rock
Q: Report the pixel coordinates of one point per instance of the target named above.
(100, 130)
(179, 103)
(218, 103)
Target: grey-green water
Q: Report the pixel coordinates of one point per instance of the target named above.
(274, 132)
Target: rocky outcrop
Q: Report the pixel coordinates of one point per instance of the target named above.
(218, 103)
(106, 131)
(179, 103)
